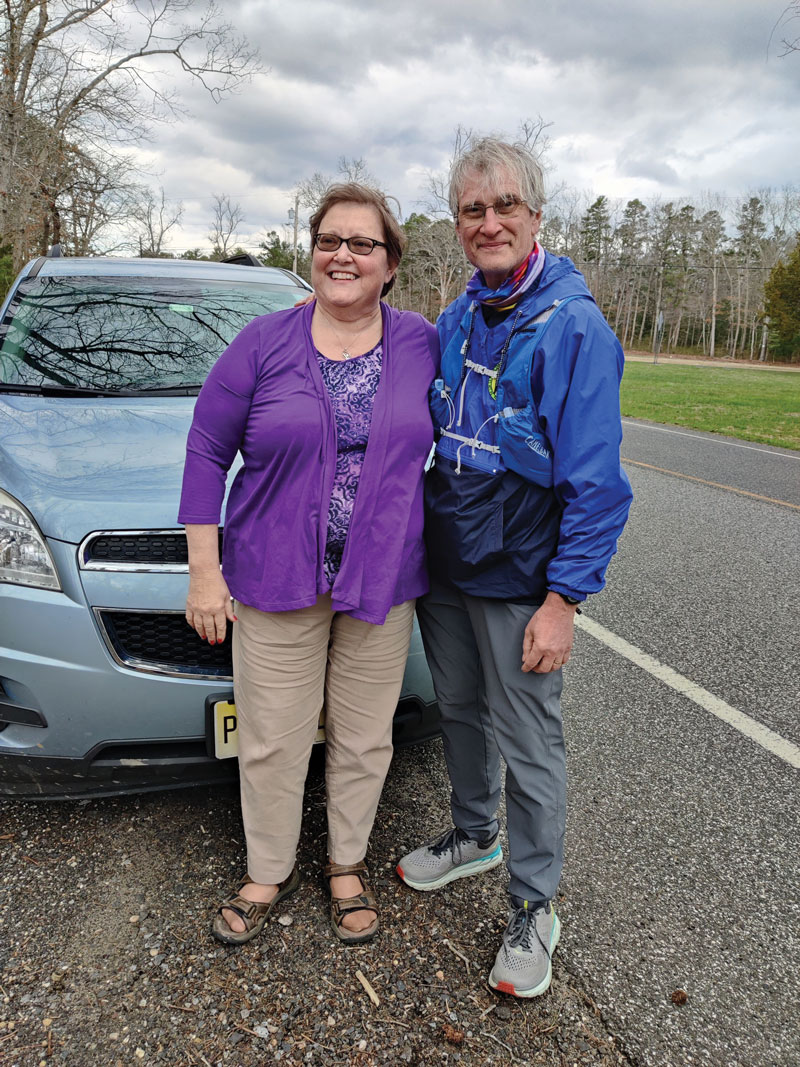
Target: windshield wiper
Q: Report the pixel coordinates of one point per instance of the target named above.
(54, 390)
(189, 389)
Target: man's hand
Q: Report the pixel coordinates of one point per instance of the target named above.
(209, 607)
(547, 643)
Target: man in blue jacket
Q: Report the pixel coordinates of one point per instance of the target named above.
(524, 505)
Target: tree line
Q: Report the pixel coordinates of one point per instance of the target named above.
(711, 276)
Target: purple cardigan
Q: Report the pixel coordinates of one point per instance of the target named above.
(265, 398)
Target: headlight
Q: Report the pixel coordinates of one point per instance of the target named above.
(24, 557)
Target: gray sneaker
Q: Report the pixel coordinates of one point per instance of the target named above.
(522, 967)
(451, 855)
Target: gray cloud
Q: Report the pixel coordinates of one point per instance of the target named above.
(670, 98)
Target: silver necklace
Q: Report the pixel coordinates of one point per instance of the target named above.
(346, 353)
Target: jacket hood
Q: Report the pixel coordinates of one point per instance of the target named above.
(80, 465)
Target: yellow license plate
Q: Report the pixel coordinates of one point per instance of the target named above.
(226, 732)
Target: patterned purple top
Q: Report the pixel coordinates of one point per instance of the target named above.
(351, 385)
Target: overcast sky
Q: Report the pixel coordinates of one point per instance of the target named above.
(665, 99)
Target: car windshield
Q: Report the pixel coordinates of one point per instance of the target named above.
(111, 334)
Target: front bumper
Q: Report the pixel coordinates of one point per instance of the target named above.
(74, 721)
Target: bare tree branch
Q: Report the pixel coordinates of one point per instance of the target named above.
(152, 218)
(82, 70)
(790, 18)
(228, 217)
(530, 134)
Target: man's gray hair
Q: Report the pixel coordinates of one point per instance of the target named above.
(489, 157)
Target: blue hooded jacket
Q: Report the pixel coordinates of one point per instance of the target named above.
(546, 510)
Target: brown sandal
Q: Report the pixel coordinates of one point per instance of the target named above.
(253, 913)
(342, 906)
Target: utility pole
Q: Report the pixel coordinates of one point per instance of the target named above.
(295, 212)
(659, 330)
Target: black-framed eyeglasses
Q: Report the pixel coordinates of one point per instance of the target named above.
(359, 246)
(504, 207)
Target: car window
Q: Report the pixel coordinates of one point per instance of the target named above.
(113, 333)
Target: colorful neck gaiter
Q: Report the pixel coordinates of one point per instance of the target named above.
(512, 289)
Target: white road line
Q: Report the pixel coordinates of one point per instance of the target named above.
(709, 438)
(757, 732)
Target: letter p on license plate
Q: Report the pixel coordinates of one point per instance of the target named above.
(222, 734)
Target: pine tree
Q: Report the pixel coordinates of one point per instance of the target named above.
(782, 302)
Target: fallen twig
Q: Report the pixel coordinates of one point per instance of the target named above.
(395, 1022)
(240, 1026)
(485, 1033)
(486, 1011)
(178, 1007)
(311, 1041)
(455, 952)
(373, 996)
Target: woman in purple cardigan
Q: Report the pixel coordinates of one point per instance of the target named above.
(323, 552)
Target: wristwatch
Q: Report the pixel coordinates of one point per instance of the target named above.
(573, 603)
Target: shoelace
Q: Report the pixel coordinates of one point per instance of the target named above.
(520, 927)
(450, 841)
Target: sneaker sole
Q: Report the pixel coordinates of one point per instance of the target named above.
(543, 986)
(464, 870)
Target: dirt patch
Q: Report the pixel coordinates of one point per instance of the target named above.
(106, 956)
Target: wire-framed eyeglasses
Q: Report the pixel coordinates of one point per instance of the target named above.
(359, 246)
(504, 207)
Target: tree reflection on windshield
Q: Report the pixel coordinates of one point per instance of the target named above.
(126, 333)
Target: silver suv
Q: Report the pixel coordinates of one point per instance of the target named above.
(104, 688)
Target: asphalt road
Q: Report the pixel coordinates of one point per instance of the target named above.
(683, 847)
(751, 468)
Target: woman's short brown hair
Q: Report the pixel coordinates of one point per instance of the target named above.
(354, 193)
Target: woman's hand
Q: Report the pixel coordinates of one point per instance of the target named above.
(209, 607)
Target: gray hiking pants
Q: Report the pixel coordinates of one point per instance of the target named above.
(489, 709)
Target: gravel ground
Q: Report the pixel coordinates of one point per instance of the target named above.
(106, 956)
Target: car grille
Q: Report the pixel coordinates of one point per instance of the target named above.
(164, 643)
(142, 549)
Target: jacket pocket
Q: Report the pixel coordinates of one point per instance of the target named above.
(481, 540)
(524, 447)
(441, 410)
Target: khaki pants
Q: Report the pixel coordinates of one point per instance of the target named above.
(284, 664)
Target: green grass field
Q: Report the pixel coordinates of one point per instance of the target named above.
(754, 405)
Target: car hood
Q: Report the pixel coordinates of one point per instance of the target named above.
(81, 464)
